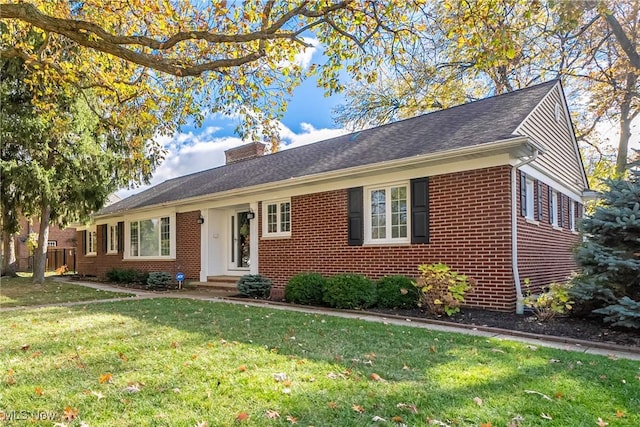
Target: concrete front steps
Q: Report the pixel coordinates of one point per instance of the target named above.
(223, 283)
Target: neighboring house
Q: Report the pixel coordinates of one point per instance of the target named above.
(61, 246)
(492, 188)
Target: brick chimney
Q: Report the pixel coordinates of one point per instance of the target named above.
(244, 152)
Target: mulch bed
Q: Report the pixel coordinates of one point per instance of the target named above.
(569, 327)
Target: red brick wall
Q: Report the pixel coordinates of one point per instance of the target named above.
(470, 232)
(187, 253)
(544, 252)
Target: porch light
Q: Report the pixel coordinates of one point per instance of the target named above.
(251, 215)
(200, 220)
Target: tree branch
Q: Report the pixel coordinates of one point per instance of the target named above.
(627, 45)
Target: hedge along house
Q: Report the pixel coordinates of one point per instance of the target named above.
(492, 188)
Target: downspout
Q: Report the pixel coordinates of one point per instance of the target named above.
(514, 229)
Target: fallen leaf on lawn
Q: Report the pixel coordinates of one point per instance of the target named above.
(378, 419)
(357, 408)
(375, 377)
(612, 356)
(105, 378)
(39, 391)
(404, 291)
(619, 413)
(433, 349)
(10, 379)
(84, 424)
(292, 419)
(515, 421)
(36, 354)
(176, 390)
(397, 419)
(478, 401)
(546, 416)
(601, 423)
(98, 394)
(25, 347)
(122, 357)
(242, 368)
(242, 416)
(280, 376)
(332, 405)
(437, 422)
(174, 344)
(532, 347)
(558, 395)
(272, 415)
(286, 390)
(370, 356)
(487, 424)
(202, 424)
(405, 368)
(497, 350)
(411, 408)
(603, 377)
(70, 414)
(286, 383)
(132, 388)
(554, 361)
(332, 376)
(544, 396)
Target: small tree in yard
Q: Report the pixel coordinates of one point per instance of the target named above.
(610, 257)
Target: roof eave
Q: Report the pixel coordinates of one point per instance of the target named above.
(518, 146)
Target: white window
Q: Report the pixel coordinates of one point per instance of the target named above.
(91, 243)
(151, 238)
(112, 238)
(387, 214)
(530, 199)
(554, 209)
(276, 218)
(572, 215)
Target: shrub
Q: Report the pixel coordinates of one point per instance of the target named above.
(122, 275)
(349, 291)
(254, 286)
(305, 288)
(441, 289)
(548, 304)
(397, 292)
(158, 280)
(625, 313)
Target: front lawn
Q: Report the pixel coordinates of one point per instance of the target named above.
(178, 362)
(19, 291)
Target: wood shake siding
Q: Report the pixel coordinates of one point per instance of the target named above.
(543, 128)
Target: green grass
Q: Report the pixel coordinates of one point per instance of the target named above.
(19, 291)
(196, 361)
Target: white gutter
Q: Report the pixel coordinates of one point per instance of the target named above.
(514, 229)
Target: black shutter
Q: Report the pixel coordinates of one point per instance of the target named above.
(120, 236)
(550, 193)
(523, 194)
(356, 216)
(83, 242)
(105, 230)
(561, 197)
(420, 210)
(539, 195)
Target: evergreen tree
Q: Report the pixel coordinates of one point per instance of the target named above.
(610, 256)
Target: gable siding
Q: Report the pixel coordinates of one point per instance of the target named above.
(561, 159)
(469, 231)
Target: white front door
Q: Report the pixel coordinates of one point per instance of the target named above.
(240, 242)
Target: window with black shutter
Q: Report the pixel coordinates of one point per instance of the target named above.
(356, 216)
(523, 194)
(420, 210)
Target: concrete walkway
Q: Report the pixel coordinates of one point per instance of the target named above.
(604, 349)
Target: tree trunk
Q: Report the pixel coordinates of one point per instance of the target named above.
(626, 116)
(40, 253)
(9, 262)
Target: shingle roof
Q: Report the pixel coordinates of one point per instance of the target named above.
(479, 122)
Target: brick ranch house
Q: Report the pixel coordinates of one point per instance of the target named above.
(492, 188)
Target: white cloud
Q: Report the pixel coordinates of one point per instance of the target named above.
(189, 152)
